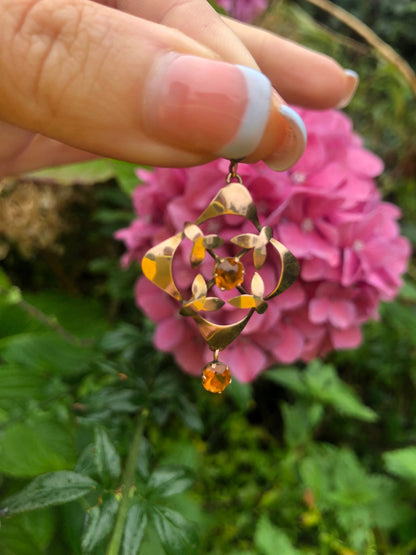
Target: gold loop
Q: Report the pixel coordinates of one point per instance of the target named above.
(233, 172)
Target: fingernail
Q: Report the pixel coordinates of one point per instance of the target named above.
(293, 144)
(352, 83)
(207, 105)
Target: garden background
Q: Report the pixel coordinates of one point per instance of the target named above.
(106, 447)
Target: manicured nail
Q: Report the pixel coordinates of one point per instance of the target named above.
(207, 105)
(351, 86)
(293, 144)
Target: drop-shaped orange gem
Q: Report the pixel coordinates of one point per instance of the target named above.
(228, 273)
(216, 376)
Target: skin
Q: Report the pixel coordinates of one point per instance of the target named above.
(73, 72)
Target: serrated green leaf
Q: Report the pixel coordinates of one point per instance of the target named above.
(100, 521)
(106, 457)
(320, 382)
(177, 535)
(35, 447)
(134, 529)
(402, 463)
(270, 540)
(54, 488)
(169, 480)
(325, 386)
(300, 420)
(189, 414)
(85, 463)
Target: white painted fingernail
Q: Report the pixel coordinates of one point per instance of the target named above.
(294, 143)
(255, 117)
(352, 83)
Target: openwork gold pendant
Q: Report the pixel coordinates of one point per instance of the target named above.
(228, 273)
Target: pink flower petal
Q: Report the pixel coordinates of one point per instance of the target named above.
(170, 333)
(191, 355)
(341, 313)
(153, 301)
(245, 360)
(319, 310)
(290, 344)
(346, 339)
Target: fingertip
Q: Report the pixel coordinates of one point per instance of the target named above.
(284, 140)
(351, 81)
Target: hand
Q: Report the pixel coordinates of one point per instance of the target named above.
(155, 82)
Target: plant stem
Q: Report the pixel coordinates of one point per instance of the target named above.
(370, 36)
(127, 484)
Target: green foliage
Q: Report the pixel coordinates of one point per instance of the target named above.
(269, 540)
(402, 463)
(49, 489)
(320, 383)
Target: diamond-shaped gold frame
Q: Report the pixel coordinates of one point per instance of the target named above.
(233, 199)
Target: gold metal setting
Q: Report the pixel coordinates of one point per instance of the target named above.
(233, 199)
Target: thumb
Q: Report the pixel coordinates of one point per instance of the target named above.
(120, 86)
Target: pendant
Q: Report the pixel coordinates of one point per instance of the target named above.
(228, 273)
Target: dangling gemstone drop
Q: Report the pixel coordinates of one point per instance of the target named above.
(216, 376)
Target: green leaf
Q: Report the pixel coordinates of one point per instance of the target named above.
(300, 421)
(319, 382)
(35, 447)
(18, 385)
(217, 7)
(100, 521)
(169, 480)
(27, 534)
(408, 291)
(15, 320)
(177, 535)
(270, 540)
(125, 173)
(14, 540)
(47, 351)
(402, 463)
(189, 414)
(134, 529)
(54, 488)
(291, 378)
(106, 457)
(241, 393)
(325, 386)
(81, 316)
(9, 293)
(83, 173)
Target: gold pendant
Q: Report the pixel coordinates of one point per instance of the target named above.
(228, 273)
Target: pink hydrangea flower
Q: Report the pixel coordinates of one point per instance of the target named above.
(326, 210)
(244, 10)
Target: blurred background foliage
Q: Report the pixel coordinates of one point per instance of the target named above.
(106, 447)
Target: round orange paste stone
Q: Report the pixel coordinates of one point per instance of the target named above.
(216, 376)
(228, 273)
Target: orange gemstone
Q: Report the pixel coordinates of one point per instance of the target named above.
(228, 273)
(216, 376)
